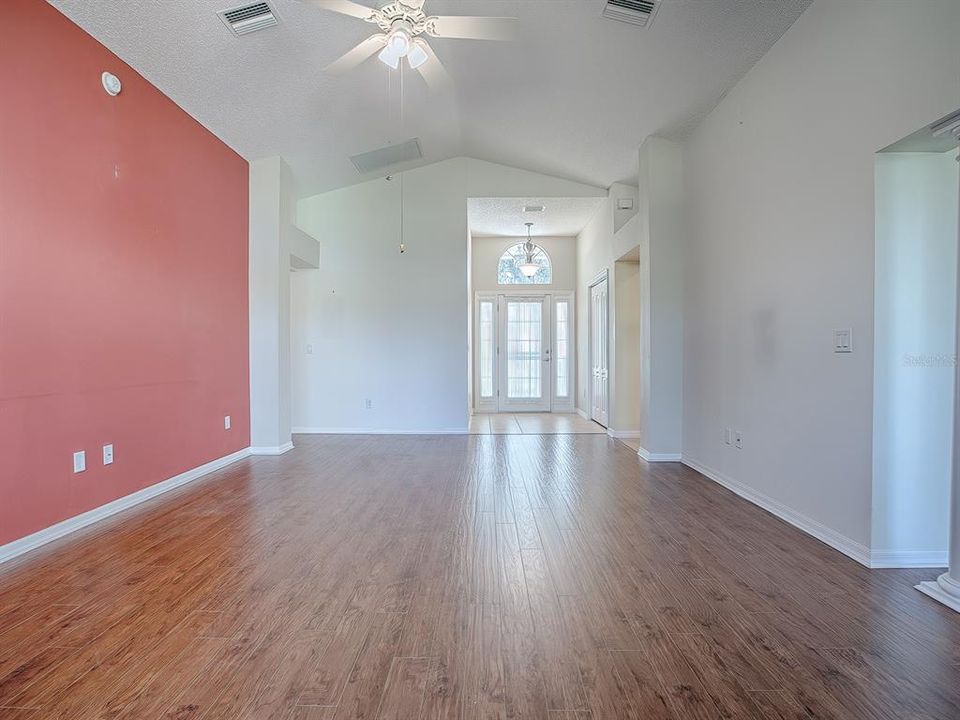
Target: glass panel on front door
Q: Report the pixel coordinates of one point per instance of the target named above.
(524, 349)
(562, 356)
(487, 347)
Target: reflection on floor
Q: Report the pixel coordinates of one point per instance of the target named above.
(632, 443)
(537, 577)
(533, 424)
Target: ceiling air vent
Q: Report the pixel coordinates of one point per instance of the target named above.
(635, 12)
(249, 18)
(387, 156)
(532, 208)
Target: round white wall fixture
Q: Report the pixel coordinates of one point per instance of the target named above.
(111, 83)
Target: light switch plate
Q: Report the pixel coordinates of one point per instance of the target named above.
(226, 422)
(843, 340)
(79, 461)
(108, 454)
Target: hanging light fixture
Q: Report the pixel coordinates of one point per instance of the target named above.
(528, 267)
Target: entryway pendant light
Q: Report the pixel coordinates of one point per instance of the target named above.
(528, 267)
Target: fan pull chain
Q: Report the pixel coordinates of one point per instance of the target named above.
(403, 248)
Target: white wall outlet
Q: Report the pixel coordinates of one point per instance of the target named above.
(738, 440)
(79, 461)
(226, 422)
(108, 454)
(368, 404)
(309, 349)
(843, 340)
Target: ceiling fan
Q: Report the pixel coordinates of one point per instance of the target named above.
(404, 30)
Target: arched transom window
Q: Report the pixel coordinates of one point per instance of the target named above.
(508, 270)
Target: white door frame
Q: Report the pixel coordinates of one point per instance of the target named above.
(602, 276)
(550, 298)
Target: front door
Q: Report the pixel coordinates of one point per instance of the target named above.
(525, 352)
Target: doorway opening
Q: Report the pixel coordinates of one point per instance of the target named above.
(626, 408)
(916, 192)
(600, 350)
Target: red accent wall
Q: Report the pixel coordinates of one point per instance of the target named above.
(123, 278)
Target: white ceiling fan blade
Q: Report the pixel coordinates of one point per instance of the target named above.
(415, 4)
(473, 28)
(345, 7)
(352, 58)
(433, 71)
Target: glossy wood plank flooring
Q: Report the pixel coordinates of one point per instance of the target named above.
(532, 424)
(523, 576)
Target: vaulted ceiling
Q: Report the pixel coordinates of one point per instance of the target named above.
(573, 97)
(505, 217)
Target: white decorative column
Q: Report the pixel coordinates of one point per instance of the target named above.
(946, 589)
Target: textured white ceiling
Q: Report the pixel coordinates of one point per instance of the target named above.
(504, 217)
(574, 97)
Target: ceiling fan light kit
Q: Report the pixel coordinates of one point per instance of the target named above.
(404, 27)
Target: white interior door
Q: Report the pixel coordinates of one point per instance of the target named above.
(524, 354)
(599, 355)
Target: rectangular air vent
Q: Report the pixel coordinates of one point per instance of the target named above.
(532, 208)
(249, 18)
(635, 12)
(386, 156)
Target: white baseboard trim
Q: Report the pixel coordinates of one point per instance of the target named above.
(277, 450)
(623, 434)
(61, 529)
(908, 558)
(378, 431)
(583, 414)
(659, 457)
(850, 548)
(944, 589)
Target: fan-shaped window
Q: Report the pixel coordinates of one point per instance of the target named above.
(509, 272)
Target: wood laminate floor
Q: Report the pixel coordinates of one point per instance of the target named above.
(524, 576)
(533, 424)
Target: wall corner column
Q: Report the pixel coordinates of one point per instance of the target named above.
(946, 588)
(276, 246)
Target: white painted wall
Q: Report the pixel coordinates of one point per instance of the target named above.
(781, 188)
(598, 247)
(656, 228)
(487, 252)
(276, 246)
(915, 291)
(662, 256)
(388, 327)
(266, 286)
(626, 407)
